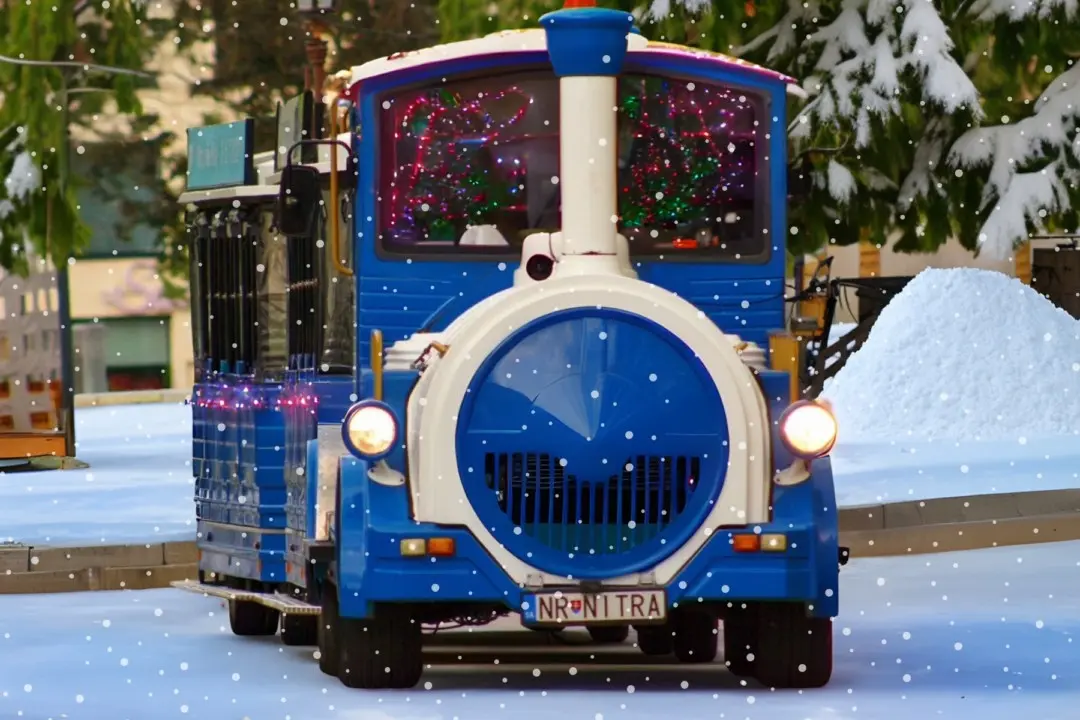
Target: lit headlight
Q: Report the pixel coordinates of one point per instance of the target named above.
(370, 430)
(808, 429)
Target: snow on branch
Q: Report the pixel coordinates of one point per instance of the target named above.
(946, 82)
(23, 177)
(1022, 197)
(1016, 10)
(660, 9)
(921, 44)
(782, 34)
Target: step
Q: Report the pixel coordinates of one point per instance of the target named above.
(276, 601)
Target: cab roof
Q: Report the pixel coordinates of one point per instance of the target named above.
(534, 40)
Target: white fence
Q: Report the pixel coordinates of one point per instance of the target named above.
(30, 360)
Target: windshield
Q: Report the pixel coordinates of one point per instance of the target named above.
(471, 166)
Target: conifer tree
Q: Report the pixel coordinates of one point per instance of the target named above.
(58, 66)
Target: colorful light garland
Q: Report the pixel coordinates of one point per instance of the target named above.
(691, 155)
(447, 182)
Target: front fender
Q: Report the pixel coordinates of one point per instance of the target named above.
(827, 524)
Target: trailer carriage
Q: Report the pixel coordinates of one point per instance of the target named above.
(569, 393)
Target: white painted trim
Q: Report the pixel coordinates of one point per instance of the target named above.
(520, 41)
(587, 157)
(331, 449)
(240, 192)
(436, 401)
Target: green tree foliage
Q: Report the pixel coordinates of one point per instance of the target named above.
(260, 60)
(924, 120)
(38, 194)
(259, 47)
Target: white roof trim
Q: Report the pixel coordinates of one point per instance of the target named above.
(242, 192)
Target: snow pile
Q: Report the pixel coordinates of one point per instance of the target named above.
(963, 354)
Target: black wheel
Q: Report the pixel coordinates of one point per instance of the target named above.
(740, 640)
(384, 651)
(795, 650)
(326, 632)
(298, 630)
(695, 636)
(609, 634)
(655, 640)
(250, 619)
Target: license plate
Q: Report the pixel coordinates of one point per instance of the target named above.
(615, 606)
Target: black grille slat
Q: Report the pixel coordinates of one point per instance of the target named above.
(597, 516)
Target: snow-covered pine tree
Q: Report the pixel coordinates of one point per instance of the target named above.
(934, 118)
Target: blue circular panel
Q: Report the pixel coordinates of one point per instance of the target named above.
(592, 443)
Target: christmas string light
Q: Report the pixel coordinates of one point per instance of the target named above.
(691, 159)
(446, 182)
(683, 174)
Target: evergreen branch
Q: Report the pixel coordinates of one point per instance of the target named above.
(962, 9)
(89, 67)
(824, 150)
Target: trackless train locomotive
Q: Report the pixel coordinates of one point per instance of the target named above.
(547, 374)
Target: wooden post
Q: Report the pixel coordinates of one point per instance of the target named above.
(869, 256)
(1022, 262)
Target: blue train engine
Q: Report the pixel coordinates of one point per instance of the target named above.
(573, 397)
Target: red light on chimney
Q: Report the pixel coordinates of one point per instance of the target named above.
(574, 4)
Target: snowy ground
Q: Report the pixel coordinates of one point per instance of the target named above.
(988, 634)
(139, 489)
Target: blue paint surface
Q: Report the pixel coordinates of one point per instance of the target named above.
(221, 155)
(592, 442)
(375, 519)
(587, 41)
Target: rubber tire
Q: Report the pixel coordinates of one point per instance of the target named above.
(609, 634)
(382, 652)
(655, 640)
(787, 639)
(250, 619)
(740, 641)
(695, 636)
(299, 630)
(326, 632)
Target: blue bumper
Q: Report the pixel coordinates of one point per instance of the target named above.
(374, 519)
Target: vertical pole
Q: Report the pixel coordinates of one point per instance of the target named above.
(316, 49)
(1022, 262)
(869, 256)
(587, 46)
(63, 287)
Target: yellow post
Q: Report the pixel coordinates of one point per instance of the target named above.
(1022, 263)
(377, 364)
(869, 256)
(785, 353)
(815, 306)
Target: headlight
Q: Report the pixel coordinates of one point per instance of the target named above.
(808, 429)
(370, 430)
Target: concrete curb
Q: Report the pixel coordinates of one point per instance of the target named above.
(961, 523)
(133, 397)
(890, 529)
(31, 570)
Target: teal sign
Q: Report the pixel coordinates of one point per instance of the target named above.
(221, 155)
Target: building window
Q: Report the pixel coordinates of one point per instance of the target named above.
(135, 353)
(121, 200)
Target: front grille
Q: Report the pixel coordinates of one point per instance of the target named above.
(596, 516)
